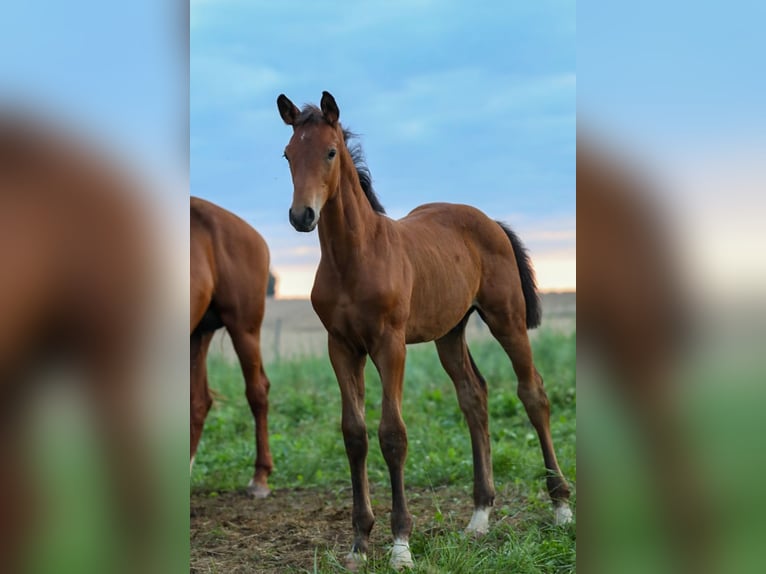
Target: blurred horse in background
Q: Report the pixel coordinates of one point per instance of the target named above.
(74, 297)
(635, 320)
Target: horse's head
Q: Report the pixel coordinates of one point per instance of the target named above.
(314, 157)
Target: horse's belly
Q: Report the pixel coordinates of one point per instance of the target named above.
(431, 322)
(441, 296)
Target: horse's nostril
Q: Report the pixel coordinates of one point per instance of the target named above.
(303, 219)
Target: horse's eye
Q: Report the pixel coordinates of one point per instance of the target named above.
(331, 154)
(284, 155)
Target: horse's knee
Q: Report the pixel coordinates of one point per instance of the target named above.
(354, 436)
(258, 394)
(393, 440)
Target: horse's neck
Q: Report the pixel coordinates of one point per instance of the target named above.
(347, 223)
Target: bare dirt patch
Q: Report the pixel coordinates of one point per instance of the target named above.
(231, 532)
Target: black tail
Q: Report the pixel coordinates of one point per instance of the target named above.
(528, 281)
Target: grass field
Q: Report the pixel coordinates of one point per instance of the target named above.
(305, 526)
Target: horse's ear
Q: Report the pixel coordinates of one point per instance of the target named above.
(329, 108)
(288, 110)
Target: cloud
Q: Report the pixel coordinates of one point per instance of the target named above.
(454, 102)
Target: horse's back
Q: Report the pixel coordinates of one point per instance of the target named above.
(460, 237)
(229, 264)
(227, 231)
(454, 251)
(455, 220)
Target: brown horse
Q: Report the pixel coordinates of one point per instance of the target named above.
(74, 296)
(382, 284)
(229, 277)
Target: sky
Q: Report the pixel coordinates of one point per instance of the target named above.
(454, 101)
(114, 70)
(677, 89)
(116, 75)
(473, 104)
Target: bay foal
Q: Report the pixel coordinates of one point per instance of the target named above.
(229, 277)
(382, 284)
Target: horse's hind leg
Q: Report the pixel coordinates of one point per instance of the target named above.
(472, 396)
(248, 347)
(200, 399)
(509, 329)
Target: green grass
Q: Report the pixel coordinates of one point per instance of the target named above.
(307, 447)
(538, 548)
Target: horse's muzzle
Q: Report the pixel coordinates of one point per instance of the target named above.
(305, 220)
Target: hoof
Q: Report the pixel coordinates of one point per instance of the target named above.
(475, 532)
(354, 561)
(479, 524)
(401, 556)
(562, 515)
(258, 490)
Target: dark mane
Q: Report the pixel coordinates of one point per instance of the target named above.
(311, 114)
(365, 178)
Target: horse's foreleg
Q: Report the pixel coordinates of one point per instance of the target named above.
(389, 356)
(472, 397)
(248, 347)
(349, 369)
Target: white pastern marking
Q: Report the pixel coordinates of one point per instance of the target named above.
(479, 521)
(257, 490)
(400, 554)
(191, 464)
(562, 515)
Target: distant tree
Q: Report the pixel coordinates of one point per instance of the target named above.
(272, 286)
